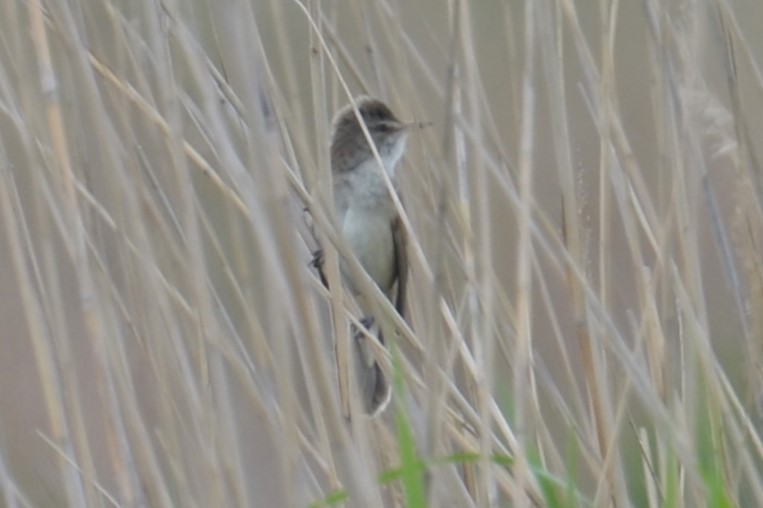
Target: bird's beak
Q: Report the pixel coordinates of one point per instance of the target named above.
(407, 126)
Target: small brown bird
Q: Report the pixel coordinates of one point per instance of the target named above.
(369, 222)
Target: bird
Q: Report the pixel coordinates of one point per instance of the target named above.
(370, 224)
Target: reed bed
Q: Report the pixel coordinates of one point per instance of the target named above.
(585, 225)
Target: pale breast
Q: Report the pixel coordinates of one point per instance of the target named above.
(369, 235)
(365, 212)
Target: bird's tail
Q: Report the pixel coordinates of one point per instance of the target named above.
(374, 388)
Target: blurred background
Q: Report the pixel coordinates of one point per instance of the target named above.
(586, 265)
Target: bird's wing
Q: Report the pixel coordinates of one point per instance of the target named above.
(401, 261)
